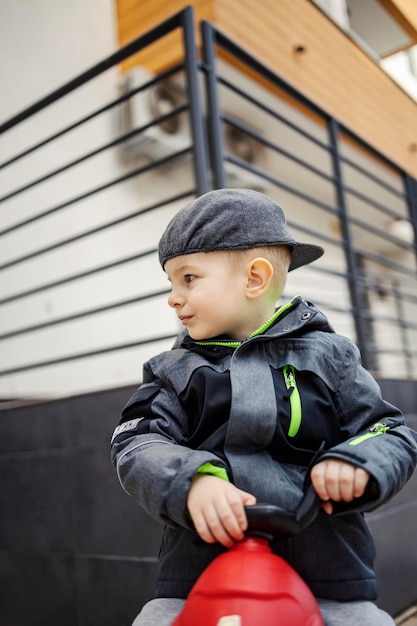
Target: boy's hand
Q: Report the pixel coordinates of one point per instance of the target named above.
(216, 508)
(338, 480)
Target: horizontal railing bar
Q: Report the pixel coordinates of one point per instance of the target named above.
(85, 355)
(377, 205)
(373, 177)
(333, 241)
(136, 172)
(92, 231)
(402, 296)
(369, 228)
(262, 139)
(123, 53)
(75, 277)
(394, 320)
(88, 118)
(89, 155)
(89, 233)
(391, 351)
(328, 271)
(258, 103)
(76, 316)
(254, 170)
(381, 260)
(368, 148)
(386, 289)
(125, 218)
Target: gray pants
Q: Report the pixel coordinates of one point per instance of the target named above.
(162, 612)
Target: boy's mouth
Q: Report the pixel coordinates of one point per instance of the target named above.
(185, 319)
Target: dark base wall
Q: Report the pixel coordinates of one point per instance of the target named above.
(401, 393)
(76, 551)
(393, 525)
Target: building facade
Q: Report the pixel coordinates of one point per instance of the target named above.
(113, 116)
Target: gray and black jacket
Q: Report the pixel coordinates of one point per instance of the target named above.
(259, 410)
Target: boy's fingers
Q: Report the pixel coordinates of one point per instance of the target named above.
(202, 528)
(336, 480)
(234, 516)
(361, 481)
(331, 480)
(210, 527)
(217, 522)
(318, 480)
(327, 507)
(245, 499)
(227, 522)
(346, 482)
(217, 510)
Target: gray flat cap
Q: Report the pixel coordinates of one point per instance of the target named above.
(232, 219)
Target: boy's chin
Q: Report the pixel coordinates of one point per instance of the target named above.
(196, 336)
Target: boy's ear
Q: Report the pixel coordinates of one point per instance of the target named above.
(259, 273)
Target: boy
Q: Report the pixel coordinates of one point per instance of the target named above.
(250, 402)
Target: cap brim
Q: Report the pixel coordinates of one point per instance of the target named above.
(303, 254)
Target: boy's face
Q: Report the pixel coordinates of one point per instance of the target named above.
(208, 295)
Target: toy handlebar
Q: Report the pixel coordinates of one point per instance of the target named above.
(272, 521)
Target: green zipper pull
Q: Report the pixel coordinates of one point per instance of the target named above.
(377, 429)
(295, 400)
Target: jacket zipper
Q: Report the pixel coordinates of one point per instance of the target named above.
(377, 429)
(295, 400)
(230, 343)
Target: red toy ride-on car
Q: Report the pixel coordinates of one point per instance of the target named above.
(249, 585)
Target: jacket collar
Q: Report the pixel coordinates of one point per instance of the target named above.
(287, 319)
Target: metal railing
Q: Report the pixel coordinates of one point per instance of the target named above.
(365, 267)
(18, 220)
(80, 219)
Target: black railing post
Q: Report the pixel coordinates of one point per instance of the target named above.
(213, 107)
(200, 160)
(411, 193)
(402, 326)
(352, 268)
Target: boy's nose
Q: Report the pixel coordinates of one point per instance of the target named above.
(175, 299)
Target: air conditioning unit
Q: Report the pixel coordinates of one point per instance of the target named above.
(157, 140)
(143, 107)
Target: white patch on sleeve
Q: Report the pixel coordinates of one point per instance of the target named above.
(126, 426)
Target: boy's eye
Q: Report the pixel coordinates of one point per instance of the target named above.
(189, 277)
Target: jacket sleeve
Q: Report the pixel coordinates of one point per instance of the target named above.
(377, 438)
(148, 449)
